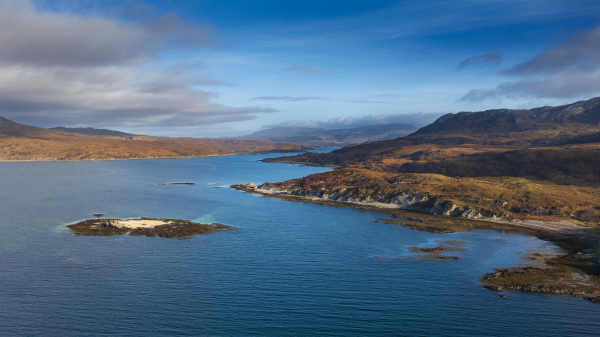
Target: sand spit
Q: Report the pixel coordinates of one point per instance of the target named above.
(146, 223)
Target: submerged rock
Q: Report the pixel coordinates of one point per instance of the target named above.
(595, 299)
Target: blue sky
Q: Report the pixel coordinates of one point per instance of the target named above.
(227, 68)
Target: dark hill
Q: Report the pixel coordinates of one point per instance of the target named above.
(559, 144)
(9, 128)
(93, 132)
(576, 115)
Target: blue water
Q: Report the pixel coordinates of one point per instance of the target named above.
(293, 268)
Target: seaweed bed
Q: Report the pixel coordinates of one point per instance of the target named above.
(438, 253)
(175, 229)
(574, 271)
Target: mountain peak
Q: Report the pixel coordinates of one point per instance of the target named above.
(575, 115)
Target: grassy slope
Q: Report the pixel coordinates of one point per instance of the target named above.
(550, 156)
(505, 197)
(22, 142)
(557, 144)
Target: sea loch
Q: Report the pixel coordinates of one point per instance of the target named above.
(292, 268)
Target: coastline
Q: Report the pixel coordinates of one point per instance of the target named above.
(561, 227)
(560, 275)
(151, 158)
(109, 159)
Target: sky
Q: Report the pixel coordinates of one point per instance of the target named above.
(215, 68)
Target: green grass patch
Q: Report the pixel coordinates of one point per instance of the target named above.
(591, 230)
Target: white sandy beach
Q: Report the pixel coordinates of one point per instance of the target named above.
(137, 223)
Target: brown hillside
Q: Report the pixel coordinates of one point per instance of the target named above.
(23, 142)
(512, 198)
(558, 144)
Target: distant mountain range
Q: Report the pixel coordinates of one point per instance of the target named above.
(24, 142)
(559, 144)
(332, 137)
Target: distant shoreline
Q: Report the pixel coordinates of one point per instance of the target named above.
(112, 159)
(123, 159)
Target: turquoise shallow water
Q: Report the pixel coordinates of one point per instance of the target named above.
(293, 268)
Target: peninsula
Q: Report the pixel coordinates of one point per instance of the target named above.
(535, 171)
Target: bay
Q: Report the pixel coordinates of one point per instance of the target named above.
(292, 269)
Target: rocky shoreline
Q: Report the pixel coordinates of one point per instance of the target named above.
(575, 273)
(418, 202)
(150, 227)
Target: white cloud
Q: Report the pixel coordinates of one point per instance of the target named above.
(568, 70)
(67, 69)
(580, 53)
(109, 96)
(31, 36)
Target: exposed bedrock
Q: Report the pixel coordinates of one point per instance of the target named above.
(404, 200)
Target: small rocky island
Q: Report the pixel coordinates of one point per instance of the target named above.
(151, 227)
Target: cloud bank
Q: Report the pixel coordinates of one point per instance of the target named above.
(418, 119)
(29, 36)
(67, 69)
(568, 70)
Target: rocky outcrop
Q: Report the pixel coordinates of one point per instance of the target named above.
(421, 202)
(595, 299)
(172, 228)
(112, 223)
(250, 186)
(557, 278)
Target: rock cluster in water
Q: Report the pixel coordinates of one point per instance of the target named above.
(557, 278)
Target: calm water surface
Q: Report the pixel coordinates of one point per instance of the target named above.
(293, 268)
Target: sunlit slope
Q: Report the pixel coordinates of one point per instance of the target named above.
(558, 144)
(23, 142)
